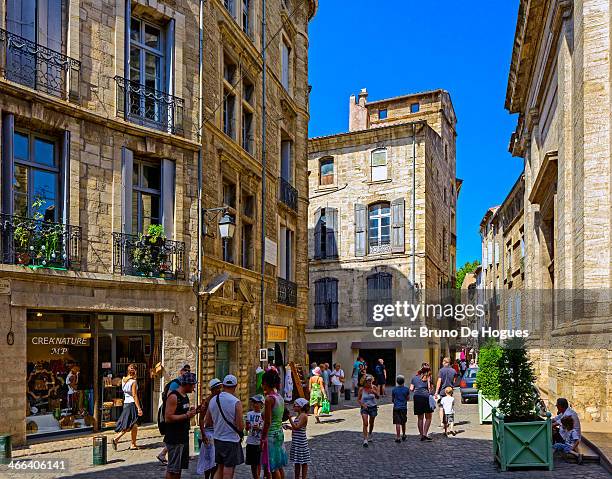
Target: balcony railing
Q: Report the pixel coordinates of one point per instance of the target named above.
(379, 245)
(135, 255)
(39, 244)
(35, 66)
(288, 194)
(149, 107)
(287, 292)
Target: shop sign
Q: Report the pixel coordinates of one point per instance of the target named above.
(59, 344)
(277, 334)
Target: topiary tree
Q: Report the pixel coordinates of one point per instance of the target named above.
(516, 383)
(487, 378)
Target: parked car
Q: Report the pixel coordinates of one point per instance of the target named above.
(467, 386)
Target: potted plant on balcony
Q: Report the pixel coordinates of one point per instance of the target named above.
(22, 234)
(521, 438)
(156, 235)
(487, 379)
(149, 256)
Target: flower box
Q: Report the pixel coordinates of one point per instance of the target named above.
(522, 444)
(485, 408)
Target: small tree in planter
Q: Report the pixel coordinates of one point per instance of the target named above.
(487, 379)
(520, 437)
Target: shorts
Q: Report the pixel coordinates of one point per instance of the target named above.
(253, 454)
(228, 453)
(400, 416)
(178, 457)
(421, 405)
(449, 418)
(371, 411)
(562, 447)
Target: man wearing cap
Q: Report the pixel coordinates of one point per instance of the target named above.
(172, 386)
(178, 415)
(225, 416)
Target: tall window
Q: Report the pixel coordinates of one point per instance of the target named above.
(379, 228)
(246, 17)
(380, 291)
(286, 249)
(146, 66)
(326, 233)
(224, 356)
(285, 64)
(230, 7)
(247, 219)
(326, 303)
(287, 161)
(326, 171)
(36, 180)
(248, 106)
(229, 97)
(379, 165)
(146, 195)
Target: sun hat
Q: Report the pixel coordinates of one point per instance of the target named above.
(230, 380)
(257, 398)
(188, 378)
(213, 383)
(300, 402)
(317, 371)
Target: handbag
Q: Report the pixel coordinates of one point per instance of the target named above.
(432, 403)
(232, 425)
(325, 407)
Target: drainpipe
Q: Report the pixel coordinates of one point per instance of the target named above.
(413, 212)
(126, 59)
(263, 179)
(198, 281)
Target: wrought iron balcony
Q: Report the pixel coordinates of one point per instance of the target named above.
(288, 194)
(149, 107)
(136, 255)
(39, 244)
(379, 245)
(35, 66)
(287, 292)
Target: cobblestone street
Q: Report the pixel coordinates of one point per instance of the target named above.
(337, 453)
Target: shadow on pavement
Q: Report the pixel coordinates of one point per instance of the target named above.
(340, 455)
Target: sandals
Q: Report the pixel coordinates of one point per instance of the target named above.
(133, 448)
(114, 443)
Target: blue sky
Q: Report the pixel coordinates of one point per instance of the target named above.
(398, 47)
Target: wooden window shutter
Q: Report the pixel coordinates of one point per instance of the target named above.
(127, 172)
(168, 173)
(397, 226)
(360, 229)
(317, 234)
(331, 224)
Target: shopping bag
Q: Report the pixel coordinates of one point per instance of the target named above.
(325, 407)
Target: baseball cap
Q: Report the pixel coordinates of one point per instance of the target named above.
(186, 367)
(230, 380)
(257, 398)
(213, 383)
(188, 378)
(301, 402)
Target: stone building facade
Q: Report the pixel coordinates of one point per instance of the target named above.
(98, 145)
(559, 85)
(363, 217)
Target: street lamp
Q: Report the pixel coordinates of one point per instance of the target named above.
(227, 226)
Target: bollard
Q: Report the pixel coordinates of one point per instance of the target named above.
(347, 394)
(197, 440)
(6, 449)
(99, 451)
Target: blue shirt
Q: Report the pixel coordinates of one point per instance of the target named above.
(174, 385)
(421, 387)
(400, 395)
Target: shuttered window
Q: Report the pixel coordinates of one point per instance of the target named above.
(379, 165)
(326, 233)
(380, 292)
(326, 303)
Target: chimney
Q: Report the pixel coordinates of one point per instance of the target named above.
(358, 113)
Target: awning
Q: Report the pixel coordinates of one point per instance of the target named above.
(376, 344)
(321, 346)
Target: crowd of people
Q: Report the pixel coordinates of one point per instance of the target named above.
(223, 424)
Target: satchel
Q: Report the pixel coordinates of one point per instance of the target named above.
(232, 425)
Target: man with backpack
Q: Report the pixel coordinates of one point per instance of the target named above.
(170, 386)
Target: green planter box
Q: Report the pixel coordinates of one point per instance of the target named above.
(522, 444)
(485, 408)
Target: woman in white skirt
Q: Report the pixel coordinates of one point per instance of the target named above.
(130, 415)
(299, 453)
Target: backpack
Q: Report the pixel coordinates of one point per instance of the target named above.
(161, 412)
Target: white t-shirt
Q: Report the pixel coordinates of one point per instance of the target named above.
(568, 412)
(223, 431)
(335, 377)
(254, 419)
(71, 381)
(447, 404)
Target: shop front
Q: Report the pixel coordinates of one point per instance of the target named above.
(75, 362)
